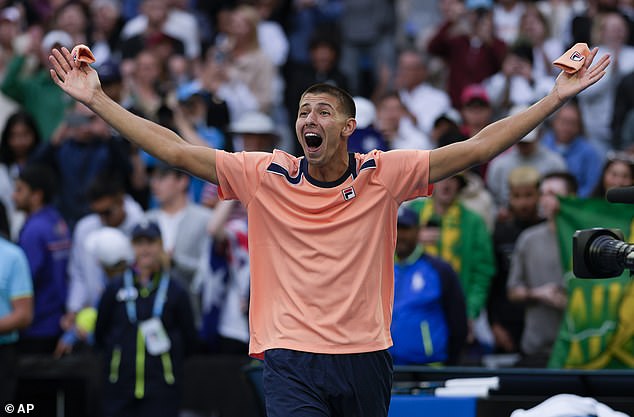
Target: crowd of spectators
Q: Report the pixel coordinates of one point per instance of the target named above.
(228, 74)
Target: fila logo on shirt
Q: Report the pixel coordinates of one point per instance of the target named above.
(348, 193)
(577, 57)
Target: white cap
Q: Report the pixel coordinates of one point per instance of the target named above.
(56, 37)
(110, 246)
(366, 112)
(531, 136)
(12, 14)
(255, 123)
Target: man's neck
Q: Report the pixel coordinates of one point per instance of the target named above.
(331, 172)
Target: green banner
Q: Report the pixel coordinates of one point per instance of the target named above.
(598, 327)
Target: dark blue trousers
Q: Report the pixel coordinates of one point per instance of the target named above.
(302, 384)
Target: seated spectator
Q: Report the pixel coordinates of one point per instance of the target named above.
(536, 276)
(146, 328)
(429, 322)
(16, 312)
(45, 239)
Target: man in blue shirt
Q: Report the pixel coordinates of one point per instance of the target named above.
(45, 239)
(429, 322)
(16, 311)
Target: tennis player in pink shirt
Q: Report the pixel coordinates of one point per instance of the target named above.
(322, 233)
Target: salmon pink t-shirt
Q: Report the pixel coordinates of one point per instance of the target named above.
(322, 254)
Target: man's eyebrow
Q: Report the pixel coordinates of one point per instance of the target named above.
(321, 103)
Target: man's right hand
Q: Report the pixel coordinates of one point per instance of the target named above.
(78, 79)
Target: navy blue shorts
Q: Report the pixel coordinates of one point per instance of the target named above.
(302, 384)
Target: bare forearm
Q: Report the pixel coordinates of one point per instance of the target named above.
(151, 137)
(19, 318)
(502, 134)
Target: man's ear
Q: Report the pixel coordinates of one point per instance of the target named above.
(349, 127)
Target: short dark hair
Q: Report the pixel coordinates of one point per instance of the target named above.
(40, 177)
(571, 182)
(104, 186)
(345, 99)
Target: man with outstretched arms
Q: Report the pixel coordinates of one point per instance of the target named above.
(322, 233)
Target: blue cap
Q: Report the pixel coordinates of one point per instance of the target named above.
(407, 217)
(187, 90)
(146, 229)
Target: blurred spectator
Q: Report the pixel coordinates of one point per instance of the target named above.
(183, 226)
(506, 318)
(112, 249)
(365, 137)
(535, 29)
(36, 92)
(446, 128)
(105, 30)
(397, 124)
(248, 63)
(160, 17)
(10, 36)
(19, 141)
(597, 103)
(460, 237)
(536, 276)
(5, 229)
(73, 17)
(85, 149)
(618, 171)
(16, 312)
(110, 207)
(307, 18)
(506, 19)
(271, 36)
(583, 160)
(146, 329)
(429, 323)
(476, 109)
(144, 92)
(559, 15)
(516, 84)
(45, 239)
(367, 41)
(623, 117)
(467, 43)
(226, 98)
(425, 102)
(527, 152)
(583, 27)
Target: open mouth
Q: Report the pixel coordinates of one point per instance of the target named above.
(313, 141)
